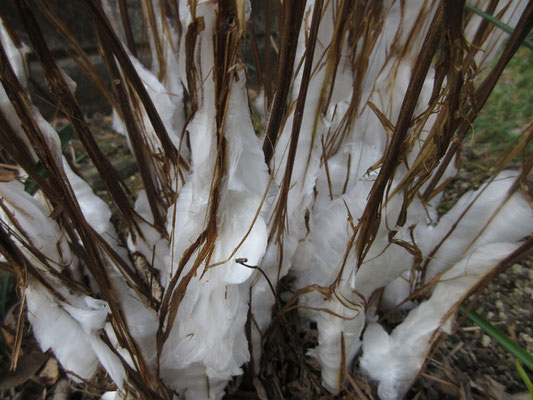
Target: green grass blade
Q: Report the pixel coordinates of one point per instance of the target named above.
(80, 158)
(525, 378)
(505, 341)
(504, 27)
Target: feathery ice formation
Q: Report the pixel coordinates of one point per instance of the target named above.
(339, 190)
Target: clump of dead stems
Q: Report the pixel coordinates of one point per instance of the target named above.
(304, 133)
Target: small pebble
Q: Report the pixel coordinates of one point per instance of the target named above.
(485, 340)
(527, 339)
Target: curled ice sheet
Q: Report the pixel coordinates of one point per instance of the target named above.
(29, 219)
(48, 318)
(484, 216)
(78, 317)
(198, 360)
(394, 361)
(95, 210)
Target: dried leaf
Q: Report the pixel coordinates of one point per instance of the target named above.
(28, 365)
